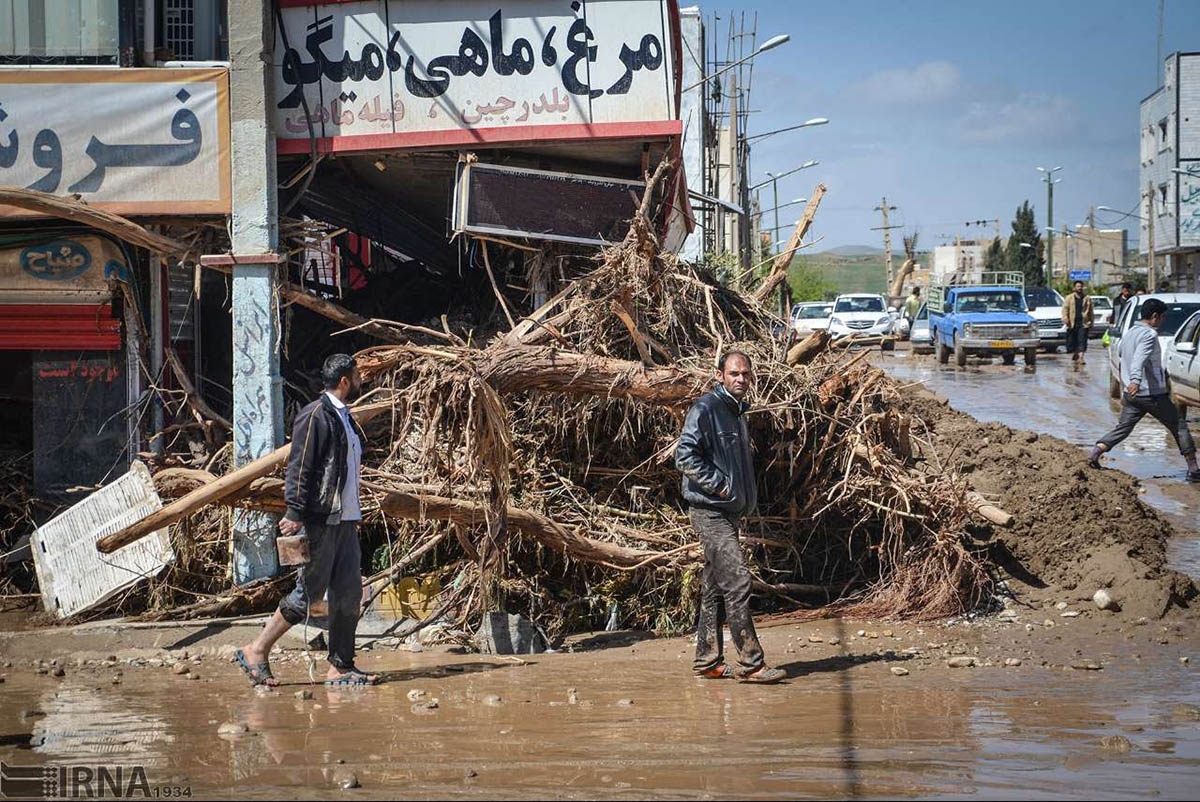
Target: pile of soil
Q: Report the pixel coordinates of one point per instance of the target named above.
(1077, 529)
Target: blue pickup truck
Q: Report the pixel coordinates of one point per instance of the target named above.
(983, 319)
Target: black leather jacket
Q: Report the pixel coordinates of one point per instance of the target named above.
(316, 471)
(715, 457)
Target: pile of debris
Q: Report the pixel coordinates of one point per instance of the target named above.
(536, 473)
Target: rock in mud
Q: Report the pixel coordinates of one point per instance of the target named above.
(425, 708)
(572, 696)
(834, 641)
(815, 639)
(492, 700)
(1070, 614)
(899, 672)
(624, 703)
(1105, 601)
(415, 694)
(1087, 665)
(1061, 606)
(233, 729)
(1116, 743)
(179, 668)
(961, 662)
(501, 633)
(59, 671)
(1182, 712)
(1012, 662)
(470, 773)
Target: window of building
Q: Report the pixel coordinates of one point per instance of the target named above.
(1162, 199)
(1163, 128)
(59, 31)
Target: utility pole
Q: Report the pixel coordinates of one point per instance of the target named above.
(1151, 269)
(887, 239)
(1049, 277)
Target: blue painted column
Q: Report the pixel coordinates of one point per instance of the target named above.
(257, 387)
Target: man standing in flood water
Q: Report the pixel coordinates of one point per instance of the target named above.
(714, 455)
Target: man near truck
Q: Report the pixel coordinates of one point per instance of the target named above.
(1145, 389)
(1078, 316)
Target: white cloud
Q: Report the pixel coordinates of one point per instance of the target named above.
(1031, 115)
(929, 82)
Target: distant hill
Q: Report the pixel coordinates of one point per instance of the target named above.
(859, 250)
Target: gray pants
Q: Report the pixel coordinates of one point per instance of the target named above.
(336, 567)
(726, 595)
(1134, 408)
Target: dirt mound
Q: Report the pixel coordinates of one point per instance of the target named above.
(1077, 529)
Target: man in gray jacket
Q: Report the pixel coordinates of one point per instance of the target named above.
(1145, 389)
(719, 487)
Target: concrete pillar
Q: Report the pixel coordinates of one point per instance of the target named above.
(257, 387)
(691, 113)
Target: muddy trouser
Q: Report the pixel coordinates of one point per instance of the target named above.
(335, 567)
(1077, 339)
(725, 595)
(1134, 408)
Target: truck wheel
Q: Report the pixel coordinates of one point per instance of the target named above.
(1114, 387)
(1030, 357)
(960, 353)
(943, 353)
(1009, 358)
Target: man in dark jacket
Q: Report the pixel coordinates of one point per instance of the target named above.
(322, 496)
(715, 458)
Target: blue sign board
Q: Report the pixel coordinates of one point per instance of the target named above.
(1081, 275)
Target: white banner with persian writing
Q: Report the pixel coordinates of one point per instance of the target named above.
(1189, 205)
(134, 141)
(402, 73)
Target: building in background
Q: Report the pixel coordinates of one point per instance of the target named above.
(962, 261)
(1170, 172)
(1094, 255)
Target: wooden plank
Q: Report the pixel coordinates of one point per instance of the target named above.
(779, 267)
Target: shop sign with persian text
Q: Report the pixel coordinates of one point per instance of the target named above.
(376, 74)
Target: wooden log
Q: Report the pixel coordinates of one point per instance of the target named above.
(69, 208)
(779, 267)
(807, 349)
(194, 400)
(213, 492)
(297, 295)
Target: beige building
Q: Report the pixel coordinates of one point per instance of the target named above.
(1100, 251)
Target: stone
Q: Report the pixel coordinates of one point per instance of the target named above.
(1105, 601)
(425, 708)
(304, 695)
(624, 703)
(59, 671)
(191, 675)
(1184, 712)
(1116, 743)
(1087, 665)
(501, 633)
(179, 668)
(834, 641)
(492, 700)
(1069, 614)
(887, 633)
(862, 633)
(815, 639)
(1184, 660)
(469, 773)
(1029, 627)
(1007, 615)
(261, 690)
(572, 696)
(961, 662)
(345, 779)
(899, 672)
(116, 680)
(234, 729)
(415, 694)
(1012, 662)
(1061, 606)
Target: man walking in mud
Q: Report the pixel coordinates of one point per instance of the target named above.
(1145, 389)
(322, 496)
(1078, 316)
(715, 458)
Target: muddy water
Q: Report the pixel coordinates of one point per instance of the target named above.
(843, 726)
(1073, 404)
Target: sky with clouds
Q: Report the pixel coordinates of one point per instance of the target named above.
(947, 107)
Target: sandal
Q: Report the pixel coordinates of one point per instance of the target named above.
(763, 676)
(259, 673)
(721, 671)
(353, 677)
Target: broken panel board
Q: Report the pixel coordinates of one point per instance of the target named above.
(72, 574)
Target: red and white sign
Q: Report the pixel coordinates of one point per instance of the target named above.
(379, 74)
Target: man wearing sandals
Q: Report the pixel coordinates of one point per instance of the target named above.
(719, 487)
(322, 496)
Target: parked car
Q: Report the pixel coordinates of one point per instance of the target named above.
(900, 324)
(1045, 305)
(859, 314)
(918, 335)
(1182, 364)
(983, 320)
(1103, 309)
(811, 316)
(1180, 307)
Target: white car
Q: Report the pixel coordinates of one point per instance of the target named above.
(1180, 307)
(860, 314)
(1102, 307)
(919, 336)
(811, 316)
(1182, 364)
(1045, 305)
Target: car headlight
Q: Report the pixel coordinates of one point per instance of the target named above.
(967, 329)
(1031, 329)
(836, 321)
(883, 321)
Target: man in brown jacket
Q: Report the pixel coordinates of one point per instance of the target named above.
(1077, 316)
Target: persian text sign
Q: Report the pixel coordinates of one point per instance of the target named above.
(410, 73)
(1189, 205)
(132, 141)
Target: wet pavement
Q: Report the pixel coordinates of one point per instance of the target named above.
(1072, 403)
(638, 726)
